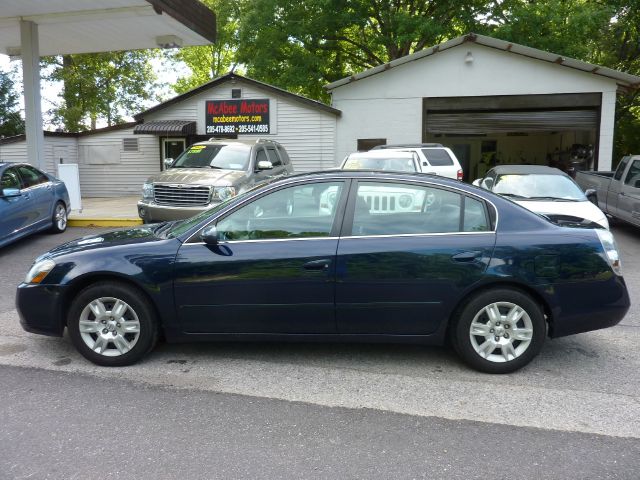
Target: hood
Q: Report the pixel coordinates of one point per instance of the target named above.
(198, 176)
(108, 239)
(564, 210)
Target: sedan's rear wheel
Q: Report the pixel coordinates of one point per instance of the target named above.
(112, 324)
(499, 331)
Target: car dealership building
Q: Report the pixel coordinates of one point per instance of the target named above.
(491, 101)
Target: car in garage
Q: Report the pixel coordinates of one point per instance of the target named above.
(30, 201)
(273, 263)
(544, 190)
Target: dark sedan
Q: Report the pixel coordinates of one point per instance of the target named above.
(30, 201)
(336, 256)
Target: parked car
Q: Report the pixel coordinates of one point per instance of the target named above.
(544, 190)
(208, 173)
(616, 193)
(434, 158)
(471, 266)
(30, 201)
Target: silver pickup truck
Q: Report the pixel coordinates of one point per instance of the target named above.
(617, 193)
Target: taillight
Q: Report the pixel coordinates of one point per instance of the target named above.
(459, 174)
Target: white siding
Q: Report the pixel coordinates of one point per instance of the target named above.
(308, 133)
(63, 147)
(389, 104)
(127, 173)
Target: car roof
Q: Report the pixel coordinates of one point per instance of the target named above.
(382, 154)
(408, 145)
(526, 170)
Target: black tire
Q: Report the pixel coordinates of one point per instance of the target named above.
(59, 218)
(498, 360)
(139, 310)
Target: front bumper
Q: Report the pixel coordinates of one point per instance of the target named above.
(151, 212)
(40, 308)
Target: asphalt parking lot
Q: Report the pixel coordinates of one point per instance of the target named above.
(584, 384)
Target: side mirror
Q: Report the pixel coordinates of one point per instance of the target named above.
(264, 165)
(11, 192)
(210, 235)
(476, 182)
(168, 162)
(592, 196)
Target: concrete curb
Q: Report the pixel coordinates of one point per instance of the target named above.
(104, 222)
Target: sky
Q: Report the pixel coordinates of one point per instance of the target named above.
(50, 91)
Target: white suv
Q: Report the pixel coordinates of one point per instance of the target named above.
(434, 158)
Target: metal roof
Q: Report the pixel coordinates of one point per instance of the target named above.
(89, 26)
(623, 79)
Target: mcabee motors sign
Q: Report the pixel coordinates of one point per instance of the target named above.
(237, 116)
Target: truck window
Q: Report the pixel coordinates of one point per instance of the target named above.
(633, 176)
(621, 166)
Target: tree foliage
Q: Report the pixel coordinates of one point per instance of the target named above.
(101, 87)
(210, 61)
(11, 123)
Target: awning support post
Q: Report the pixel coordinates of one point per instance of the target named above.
(30, 49)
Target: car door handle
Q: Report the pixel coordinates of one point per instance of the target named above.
(317, 264)
(466, 256)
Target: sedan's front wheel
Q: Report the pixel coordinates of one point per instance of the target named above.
(499, 330)
(112, 324)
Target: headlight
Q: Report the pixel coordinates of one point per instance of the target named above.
(223, 193)
(610, 249)
(39, 271)
(147, 190)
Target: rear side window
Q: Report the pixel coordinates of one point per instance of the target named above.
(283, 155)
(31, 176)
(385, 208)
(621, 166)
(437, 157)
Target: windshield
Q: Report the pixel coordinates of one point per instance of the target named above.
(373, 163)
(227, 157)
(538, 187)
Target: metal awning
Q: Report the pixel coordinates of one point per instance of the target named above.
(166, 127)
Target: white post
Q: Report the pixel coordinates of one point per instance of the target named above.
(607, 123)
(30, 50)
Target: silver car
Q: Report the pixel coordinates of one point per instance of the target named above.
(208, 173)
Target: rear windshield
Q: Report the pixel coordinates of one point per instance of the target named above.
(377, 163)
(437, 157)
(227, 157)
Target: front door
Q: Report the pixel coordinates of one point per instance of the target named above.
(172, 147)
(411, 252)
(629, 198)
(39, 190)
(273, 270)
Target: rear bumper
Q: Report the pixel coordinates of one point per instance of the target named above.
(151, 212)
(589, 307)
(40, 308)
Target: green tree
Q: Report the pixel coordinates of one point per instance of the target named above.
(11, 122)
(101, 86)
(301, 45)
(210, 61)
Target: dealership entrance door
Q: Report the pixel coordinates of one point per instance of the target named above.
(558, 130)
(172, 147)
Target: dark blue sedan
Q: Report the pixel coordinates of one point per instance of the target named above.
(30, 201)
(335, 256)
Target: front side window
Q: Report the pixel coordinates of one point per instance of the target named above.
(302, 211)
(633, 175)
(31, 176)
(10, 179)
(621, 167)
(273, 157)
(225, 157)
(399, 209)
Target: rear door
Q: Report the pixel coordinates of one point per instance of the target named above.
(401, 269)
(629, 198)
